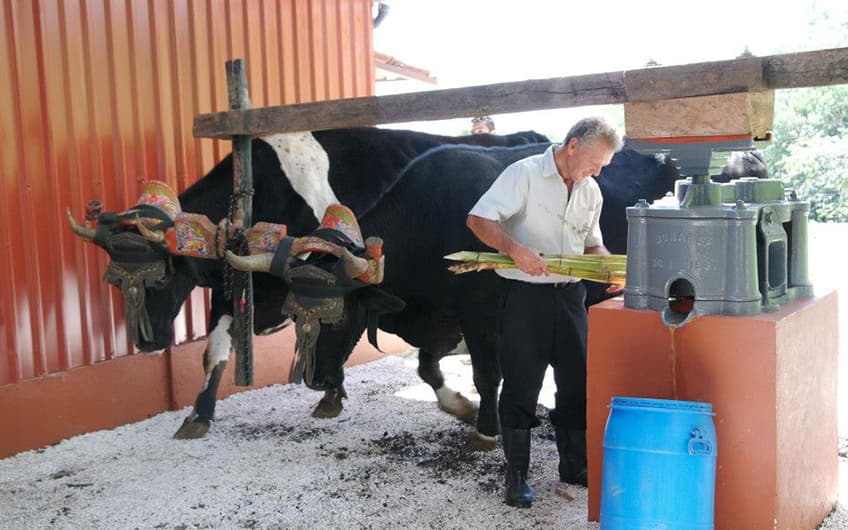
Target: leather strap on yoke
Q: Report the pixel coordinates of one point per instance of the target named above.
(107, 220)
(280, 260)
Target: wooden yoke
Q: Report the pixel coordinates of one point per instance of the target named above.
(241, 216)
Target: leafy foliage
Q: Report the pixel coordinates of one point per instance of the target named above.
(809, 151)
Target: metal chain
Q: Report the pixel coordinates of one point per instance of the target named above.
(237, 244)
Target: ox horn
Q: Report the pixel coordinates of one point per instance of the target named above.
(252, 263)
(353, 265)
(154, 236)
(85, 232)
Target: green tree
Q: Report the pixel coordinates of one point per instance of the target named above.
(809, 151)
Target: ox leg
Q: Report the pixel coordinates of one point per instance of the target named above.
(330, 405)
(214, 361)
(449, 400)
(487, 378)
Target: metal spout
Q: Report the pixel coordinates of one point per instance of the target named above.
(681, 304)
(672, 319)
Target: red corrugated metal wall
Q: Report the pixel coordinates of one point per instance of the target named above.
(96, 98)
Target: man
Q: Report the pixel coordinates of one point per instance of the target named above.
(545, 204)
(482, 125)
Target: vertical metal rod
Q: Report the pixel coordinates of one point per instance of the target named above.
(242, 217)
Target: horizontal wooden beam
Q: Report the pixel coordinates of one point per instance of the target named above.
(749, 74)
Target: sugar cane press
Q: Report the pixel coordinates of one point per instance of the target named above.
(736, 248)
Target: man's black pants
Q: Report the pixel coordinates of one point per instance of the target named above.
(541, 325)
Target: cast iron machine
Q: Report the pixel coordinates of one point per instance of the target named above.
(736, 248)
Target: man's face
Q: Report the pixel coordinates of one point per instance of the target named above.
(586, 160)
(479, 127)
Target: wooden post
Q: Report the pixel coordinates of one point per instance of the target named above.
(242, 218)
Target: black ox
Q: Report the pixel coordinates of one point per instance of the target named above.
(421, 217)
(296, 176)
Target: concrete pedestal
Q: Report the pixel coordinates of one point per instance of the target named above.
(772, 381)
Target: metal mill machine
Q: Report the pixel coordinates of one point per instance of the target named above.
(735, 248)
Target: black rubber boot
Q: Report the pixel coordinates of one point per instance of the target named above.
(517, 451)
(571, 446)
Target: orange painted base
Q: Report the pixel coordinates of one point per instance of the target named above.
(43, 411)
(771, 379)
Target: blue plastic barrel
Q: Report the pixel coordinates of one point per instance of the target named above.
(659, 465)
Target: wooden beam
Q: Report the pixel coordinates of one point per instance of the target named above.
(750, 74)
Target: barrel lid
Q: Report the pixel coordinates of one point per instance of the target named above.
(670, 404)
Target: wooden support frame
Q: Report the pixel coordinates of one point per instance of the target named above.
(750, 74)
(242, 218)
(241, 122)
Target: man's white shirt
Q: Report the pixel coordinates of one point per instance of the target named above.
(530, 201)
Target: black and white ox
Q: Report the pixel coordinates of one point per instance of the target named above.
(296, 177)
(421, 216)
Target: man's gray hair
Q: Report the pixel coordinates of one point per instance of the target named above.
(594, 128)
(485, 120)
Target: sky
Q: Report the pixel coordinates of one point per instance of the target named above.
(474, 42)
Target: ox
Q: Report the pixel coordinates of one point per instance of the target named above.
(296, 177)
(743, 164)
(421, 217)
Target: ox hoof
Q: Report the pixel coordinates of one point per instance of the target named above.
(460, 407)
(481, 442)
(330, 406)
(192, 429)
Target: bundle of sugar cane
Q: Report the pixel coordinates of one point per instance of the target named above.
(605, 269)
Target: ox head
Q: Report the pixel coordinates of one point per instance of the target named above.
(140, 263)
(742, 164)
(322, 271)
(362, 310)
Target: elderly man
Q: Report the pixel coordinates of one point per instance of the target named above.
(545, 204)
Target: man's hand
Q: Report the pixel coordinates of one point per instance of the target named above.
(528, 261)
(492, 233)
(615, 288)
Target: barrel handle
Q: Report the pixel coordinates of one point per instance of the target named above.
(698, 445)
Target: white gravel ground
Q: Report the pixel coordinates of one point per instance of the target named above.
(392, 460)
(387, 462)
